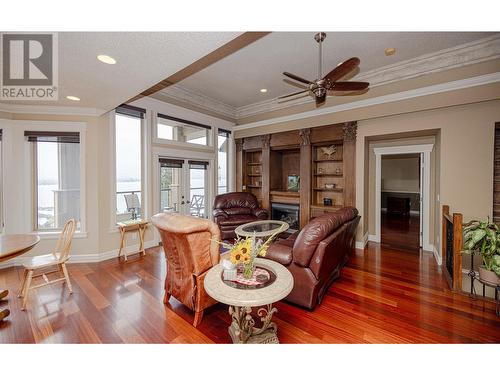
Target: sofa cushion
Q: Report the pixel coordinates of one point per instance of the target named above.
(317, 230)
(238, 211)
(237, 220)
(280, 253)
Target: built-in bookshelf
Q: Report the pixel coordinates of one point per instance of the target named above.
(320, 158)
(252, 180)
(328, 177)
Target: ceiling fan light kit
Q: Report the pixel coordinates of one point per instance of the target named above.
(321, 87)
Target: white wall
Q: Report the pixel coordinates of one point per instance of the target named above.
(101, 238)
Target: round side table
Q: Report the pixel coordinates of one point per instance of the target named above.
(242, 299)
(261, 228)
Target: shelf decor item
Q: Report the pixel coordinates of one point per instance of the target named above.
(329, 151)
(293, 182)
(244, 251)
(483, 238)
(338, 171)
(330, 185)
(320, 170)
(327, 201)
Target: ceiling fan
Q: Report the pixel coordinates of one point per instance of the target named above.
(322, 87)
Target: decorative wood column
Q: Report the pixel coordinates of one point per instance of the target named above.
(305, 175)
(349, 134)
(266, 155)
(239, 164)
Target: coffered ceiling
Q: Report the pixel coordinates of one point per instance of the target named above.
(232, 85)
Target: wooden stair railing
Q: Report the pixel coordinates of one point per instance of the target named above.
(452, 243)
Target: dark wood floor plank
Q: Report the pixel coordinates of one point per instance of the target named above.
(384, 295)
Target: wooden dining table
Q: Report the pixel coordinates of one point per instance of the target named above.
(11, 246)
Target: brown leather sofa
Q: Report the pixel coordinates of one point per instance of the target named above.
(234, 209)
(190, 250)
(316, 254)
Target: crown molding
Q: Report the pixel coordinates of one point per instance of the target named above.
(404, 95)
(50, 110)
(455, 57)
(182, 95)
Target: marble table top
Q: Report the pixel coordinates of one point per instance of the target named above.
(276, 291)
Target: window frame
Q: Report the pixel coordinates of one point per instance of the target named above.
(228, 164)
(18, 150)
(168, 142)
(34, 197)
(145, 159)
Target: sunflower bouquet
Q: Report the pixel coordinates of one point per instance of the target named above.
(244, 251)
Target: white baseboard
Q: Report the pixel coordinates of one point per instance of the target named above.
(437, 256)
(373, 237)
(87, 258)
(361, 244)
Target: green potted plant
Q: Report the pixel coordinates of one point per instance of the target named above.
(483, 238)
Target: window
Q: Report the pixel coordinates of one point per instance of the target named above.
(179, 130)
(56, 173)
(222, 170)
(128, 131)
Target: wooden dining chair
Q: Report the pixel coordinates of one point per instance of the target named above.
(57, 258)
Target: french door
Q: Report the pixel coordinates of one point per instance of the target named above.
(184, 186)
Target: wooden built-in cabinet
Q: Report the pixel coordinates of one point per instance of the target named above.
(265, 162)
(252, 175)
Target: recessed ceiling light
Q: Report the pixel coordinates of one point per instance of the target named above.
(390, 51)
(75, 98)
(263, 90)
(106, 59)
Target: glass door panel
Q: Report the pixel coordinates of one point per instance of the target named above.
(184, 186)
(198, 188)
(171, 185)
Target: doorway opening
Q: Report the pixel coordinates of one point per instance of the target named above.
(424, 183)
(184, 186)
(401, 184)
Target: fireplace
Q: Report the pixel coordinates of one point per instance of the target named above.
(288, 213)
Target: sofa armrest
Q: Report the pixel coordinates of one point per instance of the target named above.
(260, 213)
(280, 253)
(219, 214)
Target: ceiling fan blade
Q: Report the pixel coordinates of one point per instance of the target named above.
(342, 69)
(347, 86)
(295, 93)
(320, 99)
(297, 78)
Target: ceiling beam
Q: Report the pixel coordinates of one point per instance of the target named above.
(227, 49)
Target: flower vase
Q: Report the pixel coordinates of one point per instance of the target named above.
(248, 269)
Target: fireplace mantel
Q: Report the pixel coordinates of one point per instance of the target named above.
(284, 196)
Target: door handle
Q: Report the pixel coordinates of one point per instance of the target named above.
(182, 202)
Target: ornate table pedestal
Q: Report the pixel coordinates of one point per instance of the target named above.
(243, 331)
(248, 328)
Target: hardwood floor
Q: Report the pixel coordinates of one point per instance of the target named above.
(383, 296)
(400, 232)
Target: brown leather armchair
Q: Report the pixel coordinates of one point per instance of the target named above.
(190, 250)
(234, 209)
(316, 254)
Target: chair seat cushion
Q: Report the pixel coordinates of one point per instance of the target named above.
(280, 253)
(237, 220)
